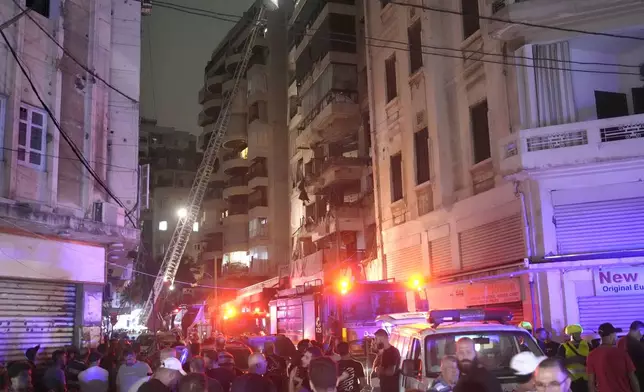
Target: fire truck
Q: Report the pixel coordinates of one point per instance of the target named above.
(347, 311)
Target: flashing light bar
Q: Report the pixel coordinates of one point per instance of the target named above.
(502, 316)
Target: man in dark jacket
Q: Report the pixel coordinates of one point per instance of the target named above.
(472, 371)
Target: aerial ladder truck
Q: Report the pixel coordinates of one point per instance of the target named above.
(181, 235)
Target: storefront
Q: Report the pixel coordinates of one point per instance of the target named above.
(504, 293)
(618, 298)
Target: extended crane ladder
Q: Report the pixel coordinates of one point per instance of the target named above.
(184, 227)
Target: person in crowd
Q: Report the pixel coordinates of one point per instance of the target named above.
(633, 345)
(551, 375)
(19, 377)
(195, 350)
(610, 368)
(224, 373)
(447, 379)
(352, 377)
(153, 385)
(75, 365)
(388, 367)
(299, 376)
(574, 354)
(324, 374)
(194, 382)
(548, 347)
(198, 365)
(169, 377)
(54, 378)
(94, 378)
(255, 380)
(375, 381)
(472, 371)
(31, 354)
(131, 371)
(524, 365)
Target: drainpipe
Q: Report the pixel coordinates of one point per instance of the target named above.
(528, 241)
(374, 142)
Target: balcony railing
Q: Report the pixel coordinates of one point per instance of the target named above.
(320, 165)
(257, 199)
(237, 209)
(333, 96)
(257, 169)
(319, 81)
(214, 192)
(237, 181)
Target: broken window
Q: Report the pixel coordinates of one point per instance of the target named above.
(480, 132)
(421, 147)
(395, 162)
(390, 78)
(32, 136)
(470, 9)
(40, 6)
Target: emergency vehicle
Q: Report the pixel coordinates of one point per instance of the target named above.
(422, 346)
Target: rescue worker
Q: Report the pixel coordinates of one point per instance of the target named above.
(574, 354)
(526, 325)
(523, 347)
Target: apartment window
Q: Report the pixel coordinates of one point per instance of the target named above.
(383, 3)
(31, 136)
(195, 227)
(40, 6)
(421, 146)
(470, 9)
(395, 162)
(415, 47)
(163, 226)
(390, 78)
(480, 132)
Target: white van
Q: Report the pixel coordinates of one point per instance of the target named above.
(422, 346)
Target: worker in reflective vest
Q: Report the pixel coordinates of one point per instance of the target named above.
(574, 354)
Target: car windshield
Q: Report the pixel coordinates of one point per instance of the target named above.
(495, 349)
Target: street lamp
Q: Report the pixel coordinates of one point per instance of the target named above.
(182, 212)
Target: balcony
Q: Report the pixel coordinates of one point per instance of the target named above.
(339, 219)
(236, 214)
(258, 174)
(610, 14)
(235, 137)
(232, 60)
(212, 105)
(335, 171)
(236, 186)
(258, 139)
(204, 119)
(257, 86)
(258, 203)
(214, 83)
(236, 163)
(573, 144)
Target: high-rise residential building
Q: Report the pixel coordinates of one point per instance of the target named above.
(69, 112)
(508, 154)
(173, 159)
(243, 231)
(332, 216)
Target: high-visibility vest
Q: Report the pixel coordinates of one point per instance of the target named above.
(578, 371)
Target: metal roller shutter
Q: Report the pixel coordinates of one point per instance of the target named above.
(403, 263)
(492, 244)
(620, 310)
(34, 313)
(600, 226)
(440, 257)
(290, 318)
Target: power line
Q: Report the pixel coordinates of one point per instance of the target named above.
(127, 169)
(508, 21)
(69, 141)
(209, 14)
(72, 57)
(535, 66)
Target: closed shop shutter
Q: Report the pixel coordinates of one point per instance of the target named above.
(403, 263)
(620, 310)
(290, 318)
(495, 243)
(440, 256)
(515, 307)
(34, 313)
(600, 226)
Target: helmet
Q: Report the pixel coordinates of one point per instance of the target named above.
(525, 325)
(573, 328)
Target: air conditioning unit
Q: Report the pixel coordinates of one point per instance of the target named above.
(109, 214)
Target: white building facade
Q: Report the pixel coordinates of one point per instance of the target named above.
(62, 236)
(509, 157)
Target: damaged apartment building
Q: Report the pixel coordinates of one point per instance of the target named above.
(332, 214)
(69, 90)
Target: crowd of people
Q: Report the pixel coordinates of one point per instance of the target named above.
(117, 366)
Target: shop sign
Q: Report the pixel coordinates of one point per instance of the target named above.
(475, 294)
(619, 281)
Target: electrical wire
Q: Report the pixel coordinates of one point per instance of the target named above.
(208, 14)
(69, 141)
(71, 56)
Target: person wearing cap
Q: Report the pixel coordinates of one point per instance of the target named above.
(131, 371)
(225, 371)
(548, 347)
(632, 344)
(574, 354)
(610, 368)
(524, 365)
(19, 377)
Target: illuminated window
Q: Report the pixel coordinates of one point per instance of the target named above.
(195, 227)
(163, 225)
